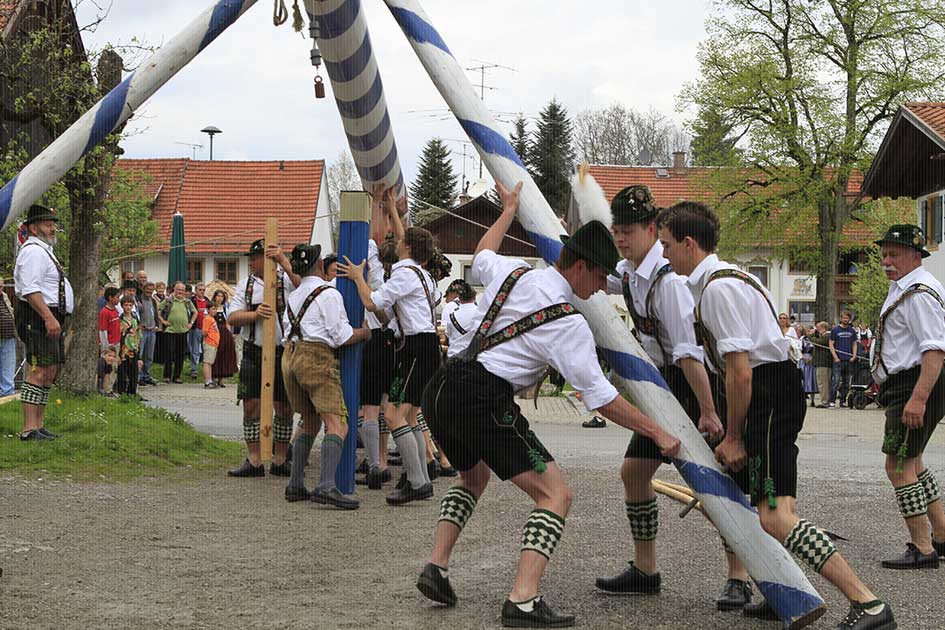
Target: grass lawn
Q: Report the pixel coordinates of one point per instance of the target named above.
(115, 439)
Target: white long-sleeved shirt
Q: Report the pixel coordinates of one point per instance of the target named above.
(915, 327)
(403, 289)
(672, 305)
(738, 315)
(35, 272)
(325, 320)
(566, 344)
(238, 303)
(465, 316)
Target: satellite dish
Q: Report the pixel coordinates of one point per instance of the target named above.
(478, 188)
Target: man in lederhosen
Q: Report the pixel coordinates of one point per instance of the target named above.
(470, 407)
(316, 326)
(763, 401)
(906, 360)
(248, 311)
(661, 306)
(45, 302)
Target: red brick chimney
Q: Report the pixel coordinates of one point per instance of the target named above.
(679, 160)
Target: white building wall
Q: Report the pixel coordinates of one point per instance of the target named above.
(156, 266)
(936, 262)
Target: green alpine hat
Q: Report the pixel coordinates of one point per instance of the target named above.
(40, 213)
(907, 235)
(258, 248)
(304, 257)
(633, 204)
(593, 242)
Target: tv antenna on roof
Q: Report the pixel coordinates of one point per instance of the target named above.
(193, 147)
(481, 69)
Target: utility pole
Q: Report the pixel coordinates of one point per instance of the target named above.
(481, 68)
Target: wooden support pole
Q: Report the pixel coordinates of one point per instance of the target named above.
(268, 347)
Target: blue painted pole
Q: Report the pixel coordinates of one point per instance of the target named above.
(352, 242)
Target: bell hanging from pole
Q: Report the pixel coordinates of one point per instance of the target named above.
(319, 87)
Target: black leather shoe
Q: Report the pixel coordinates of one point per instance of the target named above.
(247, 470)
(375, 478)
(35, 434)
(761, 610)
(408, 493)
(448, 472)
(594, 423)
(541, 616)
(940, 548)
(363, 467)
(395, 460)
(401, 482)
(433, 469)
(913, 559)
(735, 596)
(49, 433)
(297, 493)
(859, 619)
(281, 470)
(631, 580)
(335, 498)
(436, 587)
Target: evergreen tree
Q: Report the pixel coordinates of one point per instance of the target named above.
(435, 184)
(519, 139)
(551, 156)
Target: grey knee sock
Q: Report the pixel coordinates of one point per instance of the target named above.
(370, 434)
(300, 451)
(407, 445)
(331, 455)
(422, 451)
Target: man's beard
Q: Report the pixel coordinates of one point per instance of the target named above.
(49, 240)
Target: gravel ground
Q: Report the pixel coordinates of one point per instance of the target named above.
(213, 552)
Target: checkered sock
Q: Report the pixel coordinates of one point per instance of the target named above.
(422, 451)
(542, 531)
(331, 455)
(911, 499)
(644, 519)
(811, 544)
(457, 506)
(407, 445)
(370, 435)
(930, 484)
(300, 450)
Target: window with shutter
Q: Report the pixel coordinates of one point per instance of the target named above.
(936, 236)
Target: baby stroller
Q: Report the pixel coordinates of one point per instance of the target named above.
(863, 390)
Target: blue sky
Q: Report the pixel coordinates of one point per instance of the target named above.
(255, 81)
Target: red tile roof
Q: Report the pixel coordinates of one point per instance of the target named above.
(695, 183)
(6, 10)
(226, 204)
(932, 114)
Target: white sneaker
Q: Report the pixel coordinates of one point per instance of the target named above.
(831, 405)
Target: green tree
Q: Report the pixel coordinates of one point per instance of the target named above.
(435, 184)
(807, 85)
(551, 156)
(519, 138)
(52, 82)
(713, 141)
(870, 288)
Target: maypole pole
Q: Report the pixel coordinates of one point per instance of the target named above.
(779, 578)
(115, 108)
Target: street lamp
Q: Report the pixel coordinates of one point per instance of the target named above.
(211, 131)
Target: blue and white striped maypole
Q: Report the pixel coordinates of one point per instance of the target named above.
(779, 578)
(358, 90)
(115, 108)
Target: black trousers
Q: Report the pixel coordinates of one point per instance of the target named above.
(127, 379)
(176, 346)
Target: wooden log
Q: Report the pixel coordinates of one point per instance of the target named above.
(268, 346)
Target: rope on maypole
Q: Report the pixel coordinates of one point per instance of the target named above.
(345, 44)
(783, 584)
(115, 108)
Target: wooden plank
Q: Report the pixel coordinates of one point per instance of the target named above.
(268, 346)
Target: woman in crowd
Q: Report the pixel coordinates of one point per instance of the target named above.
(225, 365)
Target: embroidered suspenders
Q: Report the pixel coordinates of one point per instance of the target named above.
(482, 341)
(61, 305)
(248, 298)
(703, 337)
(456, 325)
(881, 326)
(648, 325)
(295, 321)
